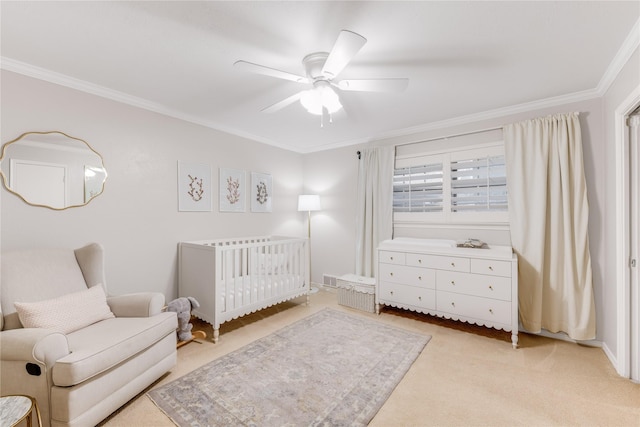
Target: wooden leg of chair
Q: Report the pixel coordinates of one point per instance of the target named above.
(199, 335)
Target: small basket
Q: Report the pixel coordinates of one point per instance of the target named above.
(357, 292)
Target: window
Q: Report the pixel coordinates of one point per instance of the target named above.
(418, 188)
(461, 186)
(479, 184)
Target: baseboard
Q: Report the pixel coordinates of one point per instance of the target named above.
(613, 359)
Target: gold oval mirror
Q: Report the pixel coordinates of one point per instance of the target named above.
(52, 169)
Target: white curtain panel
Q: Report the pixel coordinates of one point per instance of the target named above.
(374, 205)
(549, 215)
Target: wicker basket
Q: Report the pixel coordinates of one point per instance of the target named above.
(357, 292)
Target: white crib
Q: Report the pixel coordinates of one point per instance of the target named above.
(234, 277)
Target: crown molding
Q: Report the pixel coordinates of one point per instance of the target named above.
(625, 52)
(77, 84)
(629, 46)
(470, 118)
(29, 70)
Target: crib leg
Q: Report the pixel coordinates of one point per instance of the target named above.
(216, 334)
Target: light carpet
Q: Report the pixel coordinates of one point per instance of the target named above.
(331, 368)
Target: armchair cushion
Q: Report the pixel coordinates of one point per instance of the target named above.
(66, 313)
(140, 304)
(43, 346)
(103, 345)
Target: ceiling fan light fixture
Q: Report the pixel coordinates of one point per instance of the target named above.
(321, 96)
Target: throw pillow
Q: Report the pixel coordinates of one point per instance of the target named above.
(67, 313)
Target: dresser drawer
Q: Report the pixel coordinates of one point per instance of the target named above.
(407, 295)
(474, 284)
(448, 263)
(485, 309)
(492, 267)
(415, 276)
(419, 260)
(389, 257)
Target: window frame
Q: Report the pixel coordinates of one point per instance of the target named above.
(447, 217)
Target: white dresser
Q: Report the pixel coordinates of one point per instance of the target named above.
(433, 276)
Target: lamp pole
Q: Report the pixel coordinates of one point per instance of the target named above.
(312, 290)
(309, 202)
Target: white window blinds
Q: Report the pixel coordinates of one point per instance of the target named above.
(463, 185)
(478, 184)
(418, 188)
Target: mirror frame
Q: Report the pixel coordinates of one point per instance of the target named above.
(6, 182)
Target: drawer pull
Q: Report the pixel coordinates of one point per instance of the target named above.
(453, 304)
(419, 277)
(420, 298)
(490, 287)
(491, 310)
(391, 292)
(453, 264)
(391, 274)
(391, 258)
(490, 268)
(453, 283)
(419, 261)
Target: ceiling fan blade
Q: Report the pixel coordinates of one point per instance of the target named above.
(281, 104)
(261, 69)
(374, 85)
(344, 49)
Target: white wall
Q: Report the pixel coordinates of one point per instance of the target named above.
(333, 175)
(137, 218)
(339, 168)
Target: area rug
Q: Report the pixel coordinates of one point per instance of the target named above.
(329, 369)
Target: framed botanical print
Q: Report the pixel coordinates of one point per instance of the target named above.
(194, 187)
(232, 187)
(261, 192)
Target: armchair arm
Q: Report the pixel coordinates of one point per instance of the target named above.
(143, 304)
(35, 345)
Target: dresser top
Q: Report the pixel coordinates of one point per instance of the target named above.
(444, 246)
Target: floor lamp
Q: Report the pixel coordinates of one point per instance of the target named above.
(308, 203)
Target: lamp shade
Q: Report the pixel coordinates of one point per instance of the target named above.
(321, 96)
(309, 202)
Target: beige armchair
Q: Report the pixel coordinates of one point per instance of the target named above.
(79, 374)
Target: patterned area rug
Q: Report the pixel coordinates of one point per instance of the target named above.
(331, 368)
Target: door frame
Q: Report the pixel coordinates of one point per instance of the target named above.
(623, 288)
(15, 163)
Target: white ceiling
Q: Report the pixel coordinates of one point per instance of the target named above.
(462, 58)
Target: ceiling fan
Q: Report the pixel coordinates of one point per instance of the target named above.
(321, 69)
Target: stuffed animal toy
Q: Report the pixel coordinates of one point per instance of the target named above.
(183, 306)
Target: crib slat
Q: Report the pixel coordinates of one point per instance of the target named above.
(252, 273)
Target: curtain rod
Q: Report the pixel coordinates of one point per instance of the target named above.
(451, 136)
(358, 153)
